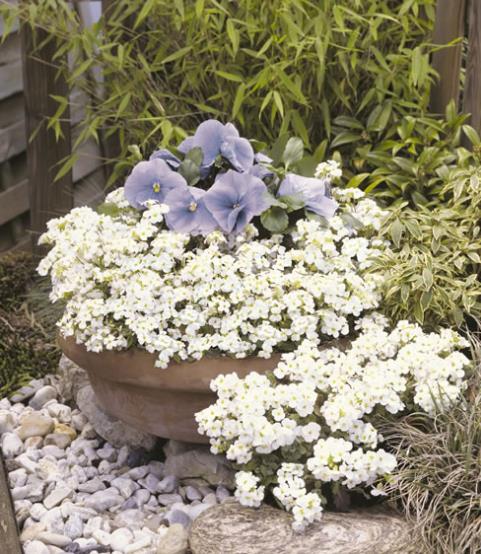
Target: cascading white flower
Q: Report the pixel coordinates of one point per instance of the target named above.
(314, 422)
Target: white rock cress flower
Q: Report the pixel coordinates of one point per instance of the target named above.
(127, 280)
(315, 422)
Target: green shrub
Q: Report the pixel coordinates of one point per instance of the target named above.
(281, 66)
(434, 265)
(409, 160)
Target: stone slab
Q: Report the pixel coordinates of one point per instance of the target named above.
(238, 530)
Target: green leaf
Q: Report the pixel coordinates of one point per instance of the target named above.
(293, 151)
(357, 180)
(292, 203)
(396, 231)
(230, 76)
(196, 155)
(351, 221)
(278, 103)
(109, 209)
(66, 167)
(239, 97)
(144, 12)
(427, 278)
(233, 35)
(190, 171)
(123, 105)
(176, 55)
(345, 137)
(472, 135)
(275, 219)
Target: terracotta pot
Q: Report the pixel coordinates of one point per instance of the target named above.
(158, 401)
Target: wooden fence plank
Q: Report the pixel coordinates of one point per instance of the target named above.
(472, 89)
(12, 140)
(48, 198)
(14, 202)
(9, 541)
(11, 78)
(450, 17)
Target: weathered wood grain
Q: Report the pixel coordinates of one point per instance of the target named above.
(90, 191)
(48, 198)
(9, 540)
(450, 17)
(14, 202)
(472, 89)
(89, 160)
(12, 140)
(10, 78)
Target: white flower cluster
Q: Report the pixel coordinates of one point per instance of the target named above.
(126, 281)
(329, 170)
(317, 414)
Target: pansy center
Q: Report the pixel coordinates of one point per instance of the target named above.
(156, 187)
(193, 206)
(235, 206)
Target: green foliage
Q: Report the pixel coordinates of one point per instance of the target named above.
(438, 480)
(341, 71)
(432, 271)
(411, 159)
(27, 348)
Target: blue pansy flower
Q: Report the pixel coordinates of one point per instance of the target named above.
(214, 138)
(235, 198)
(312, 191)
(259, 168)
(187, 211)
(151, 180)
(164, 154)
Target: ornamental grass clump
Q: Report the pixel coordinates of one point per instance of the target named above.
(437, 481)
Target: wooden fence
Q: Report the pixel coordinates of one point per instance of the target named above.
(27, 169)
(28, 194)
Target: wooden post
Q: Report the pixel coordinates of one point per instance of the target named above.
(110, 144)
(47, 198)
(449, 25)
(472, 90)
(9, 541)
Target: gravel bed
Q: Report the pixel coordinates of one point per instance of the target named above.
(74, 492)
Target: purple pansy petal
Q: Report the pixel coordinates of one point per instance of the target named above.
(164, 154)
(182, 218)
(232, 217)
(322, 206)
(186, 145)
(312, 191)
(235, 198)
(260, 171)
(150, 180)
(214, 138)
(257, 198)
(208, 137)
(239, 152)
(261, 158)
(230, 131)
(225, 191)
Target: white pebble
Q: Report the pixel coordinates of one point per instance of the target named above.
(12, 446)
